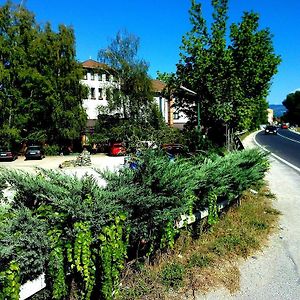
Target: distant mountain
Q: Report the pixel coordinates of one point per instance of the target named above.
(278, 109)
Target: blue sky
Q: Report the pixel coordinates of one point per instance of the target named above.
(160, 25)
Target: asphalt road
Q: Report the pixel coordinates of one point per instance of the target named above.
(286, 144)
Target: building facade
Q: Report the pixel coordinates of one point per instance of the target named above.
(100, 79)
(172, 115)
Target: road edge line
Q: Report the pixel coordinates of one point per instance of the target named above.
(276, 156)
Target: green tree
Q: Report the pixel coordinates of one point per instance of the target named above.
(134, 98)
(292, 104)
(131, 114)
(255, 64)
(40, 90)
(231, 81)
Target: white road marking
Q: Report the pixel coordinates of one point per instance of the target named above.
(276, 156)
(288, 138)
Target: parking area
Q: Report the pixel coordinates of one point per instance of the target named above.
(99, 161)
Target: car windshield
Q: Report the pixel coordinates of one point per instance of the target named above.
(34, 148)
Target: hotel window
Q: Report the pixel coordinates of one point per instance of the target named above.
(93, 93)
(107, 77)
(100, 93)
(100, 77)
(85, 75)
(92, 76)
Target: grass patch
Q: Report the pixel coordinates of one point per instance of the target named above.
(209, 261)
(172, 275)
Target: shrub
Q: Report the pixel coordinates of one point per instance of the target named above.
(172, 275)
(199, 260)
(52, 150)
(81, 233)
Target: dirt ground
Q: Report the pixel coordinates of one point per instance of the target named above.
(99, 161)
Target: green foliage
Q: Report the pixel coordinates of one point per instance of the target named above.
(113, 251)
(134, 99)
(160, 191)
(292, 104)
(212, 208)
(40, 93)
(232, 80)
(131, 115)
(80, 234)
(52, 150)
(84, 259)
(56, 266)
(172, 275)
(10, 282)
(199, 260)
(24, 240)
(169, 234)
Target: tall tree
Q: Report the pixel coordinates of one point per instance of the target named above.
(220, 74)
(134, 98)
(255, 64)
(40, 90)
(292, 104)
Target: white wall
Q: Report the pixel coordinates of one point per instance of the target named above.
(164, 106)
(91, 105)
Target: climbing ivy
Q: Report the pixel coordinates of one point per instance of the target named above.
(113, 251)
(84, 259)
(10, 282)
(168, 236)
(56, 266)
(212, 208)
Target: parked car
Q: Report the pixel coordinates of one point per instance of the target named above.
(117, 149)
(34, 152)
(271, 129)
(7, 154)
(284, 126)
(174, 150)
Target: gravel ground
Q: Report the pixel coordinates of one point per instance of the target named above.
(99, 161)
(274, 273)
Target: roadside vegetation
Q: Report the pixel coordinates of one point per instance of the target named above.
(211, 260)
(292, 104)
(81, 234)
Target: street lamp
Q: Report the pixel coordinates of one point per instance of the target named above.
(198, 104)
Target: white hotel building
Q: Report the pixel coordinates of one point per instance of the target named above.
(99, 78)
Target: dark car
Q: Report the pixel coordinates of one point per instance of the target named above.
(117, 149)
(175, 149)
(34, 152)
(271, 129)
(7, 154)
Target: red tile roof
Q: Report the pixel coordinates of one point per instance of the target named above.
(92, 64)
(158, 85)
